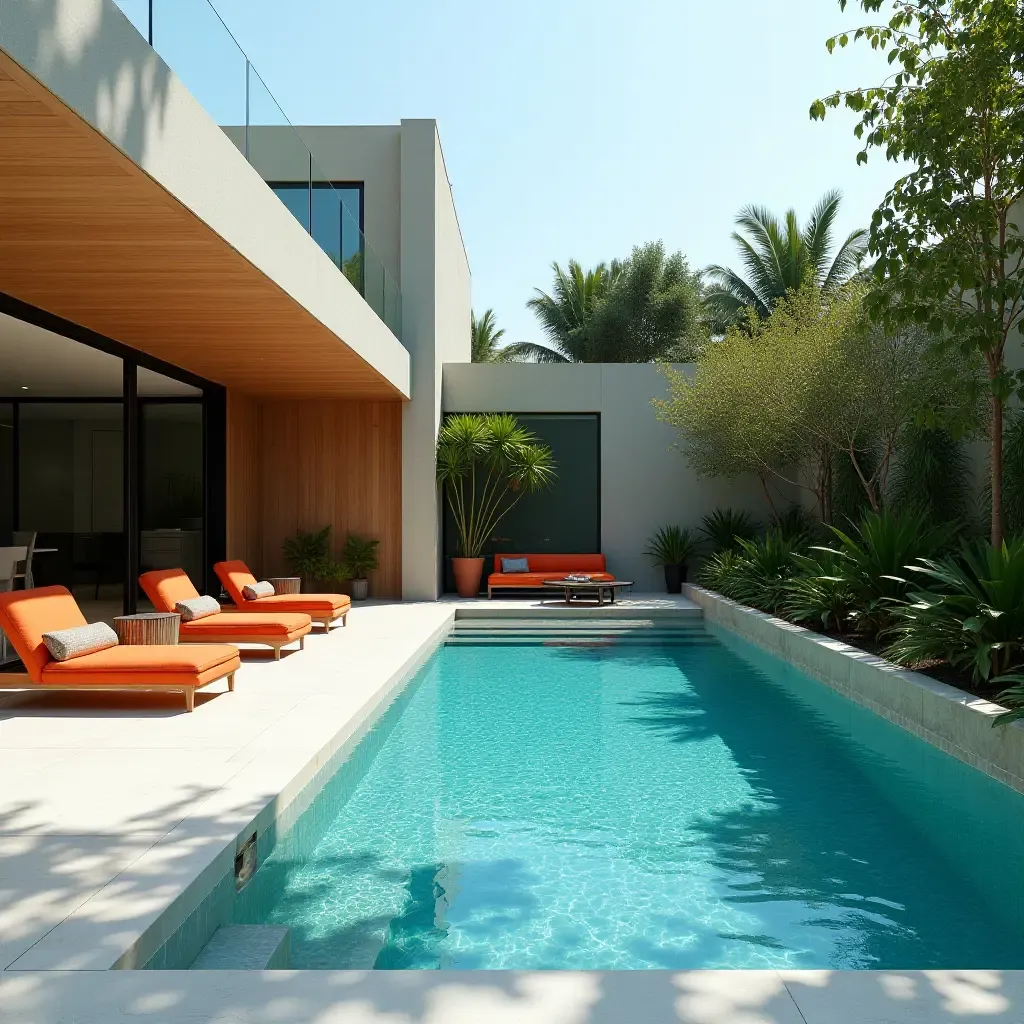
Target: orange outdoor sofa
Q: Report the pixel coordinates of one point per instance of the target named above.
(323, 608)
(25, 615)
(165, 587)
(546, 567)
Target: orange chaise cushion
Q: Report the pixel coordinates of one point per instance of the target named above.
(166, 587)
(156, 664)
(312, 604)
(25, 615)
(239, 625)
(234, 574)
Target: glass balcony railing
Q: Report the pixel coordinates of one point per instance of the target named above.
(195, 43)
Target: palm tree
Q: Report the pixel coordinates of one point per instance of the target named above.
(485, 338)
(565, 313)
(780, 257)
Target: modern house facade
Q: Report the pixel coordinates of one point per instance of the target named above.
(190, 369)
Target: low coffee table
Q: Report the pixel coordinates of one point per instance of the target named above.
(600, 588)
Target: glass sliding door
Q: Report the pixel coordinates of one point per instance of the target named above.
(171, 504)
(114, 460)
(71, 495)
(6, 473)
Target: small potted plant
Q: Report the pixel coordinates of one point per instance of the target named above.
(486, 464)
(359, 559)
(309, 556)
(673, 547)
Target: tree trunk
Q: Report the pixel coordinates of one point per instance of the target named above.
(996, 467)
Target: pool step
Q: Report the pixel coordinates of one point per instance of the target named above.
(683, 631)
(245, 947)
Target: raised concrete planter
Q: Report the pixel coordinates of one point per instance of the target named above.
(950, 719)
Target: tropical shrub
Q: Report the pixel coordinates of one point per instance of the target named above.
(359, 556)
(970, 613)
(719, 572)
(1013, 474)
(308, 554)
(796, 524)
(672, 545)
(763, 569)
(932, 474)
(820, 594)
(725, 527)
(874, 557)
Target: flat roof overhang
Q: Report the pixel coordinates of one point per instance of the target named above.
(88, 234)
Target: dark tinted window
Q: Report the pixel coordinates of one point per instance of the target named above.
(562, 520)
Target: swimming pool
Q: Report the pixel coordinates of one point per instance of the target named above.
(683, 803)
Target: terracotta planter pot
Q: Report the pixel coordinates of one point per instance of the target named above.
(468, 572)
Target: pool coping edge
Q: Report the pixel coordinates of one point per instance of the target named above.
(956, 722)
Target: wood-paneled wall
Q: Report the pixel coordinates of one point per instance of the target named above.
(244, 480)
(304, 464)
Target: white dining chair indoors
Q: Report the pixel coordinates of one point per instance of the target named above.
(28, 539)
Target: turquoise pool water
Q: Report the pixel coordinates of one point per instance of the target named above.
(695, 804)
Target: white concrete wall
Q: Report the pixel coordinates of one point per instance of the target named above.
(645, 481)
(436, 303)
(88, 54)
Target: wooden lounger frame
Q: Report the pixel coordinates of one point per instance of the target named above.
(236, 639)
(21, 681)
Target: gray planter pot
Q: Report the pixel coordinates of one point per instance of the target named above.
(360, 589)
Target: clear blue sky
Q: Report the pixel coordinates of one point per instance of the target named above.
(580, 128)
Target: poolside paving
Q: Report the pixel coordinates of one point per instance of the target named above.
(111, 804)
(513, 997)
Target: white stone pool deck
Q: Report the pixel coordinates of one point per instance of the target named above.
(111, 806)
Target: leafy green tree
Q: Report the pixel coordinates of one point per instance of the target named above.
(813, 382)
(781, 257)
(638, 310)
(486, 339)
(950, 254)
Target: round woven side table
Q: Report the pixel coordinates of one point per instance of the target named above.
(147, 628)
(286, 584)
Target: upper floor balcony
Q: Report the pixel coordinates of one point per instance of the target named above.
(197, 45)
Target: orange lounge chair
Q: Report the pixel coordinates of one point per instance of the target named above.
(324, 608)
(546, 567)
(165, 587)
(25, 615)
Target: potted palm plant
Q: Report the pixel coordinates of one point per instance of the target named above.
(673, 547)
(309, 556)
(486, 464)
(359, 558)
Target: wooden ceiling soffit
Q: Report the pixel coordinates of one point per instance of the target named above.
(87, 235)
